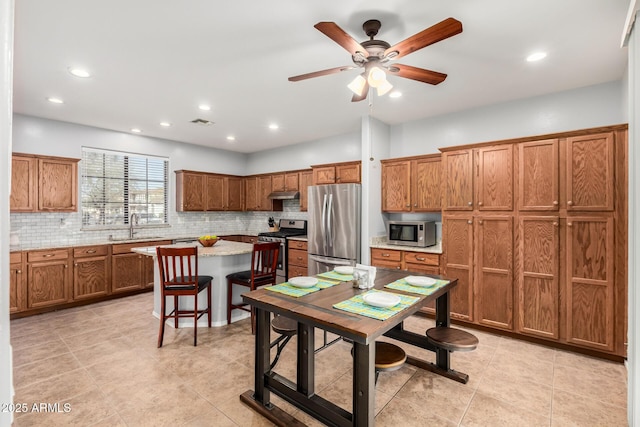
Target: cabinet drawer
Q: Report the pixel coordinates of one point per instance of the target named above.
(86, 251)
(298, 257)
(124, 248)
(15, 257)
(50, 255)
(386, 254)
(422, 258)
(297, 244)
(422, 268)
(385, 263)
(297, 271)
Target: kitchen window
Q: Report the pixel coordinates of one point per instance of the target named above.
(116, 184)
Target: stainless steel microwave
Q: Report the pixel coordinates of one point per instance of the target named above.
(411, 233)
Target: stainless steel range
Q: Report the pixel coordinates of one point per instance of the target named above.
(286, 228)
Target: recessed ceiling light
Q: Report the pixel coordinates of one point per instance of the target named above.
(136, 130)
(395, 94)
(537, 56)
(79, 72)
(55, 100)
(204, 107)
(165, 124)
(231, 138)
(273, 126)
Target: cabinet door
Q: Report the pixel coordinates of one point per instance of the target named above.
(148, 265)
(90, 277)
(193, 191)
(48, 283)
(396, 178)
(306, 179)
(495, 178)
(590, 179)
(324, 175)
(538, 294)
(23, 184)
(494, 281)
(457, 241)
(590, 293)
(234, 192)
(277, 182)
(264, 189)
(458, 178)
(251, 194)
(214, 191)
(126, 272)
(538, 176)
(57, 185)
(16, 288)
(291, 181)
(347, 173)
(426, 191)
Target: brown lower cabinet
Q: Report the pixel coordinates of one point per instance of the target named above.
(297, 259)
(48, 278)
(17, 282)
(418, 262)
(91, 271)
(130, 270)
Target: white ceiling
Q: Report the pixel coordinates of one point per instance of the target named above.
(156, 60)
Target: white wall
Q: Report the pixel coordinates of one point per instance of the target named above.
(582, 108)
(340, 148)
(6, 78)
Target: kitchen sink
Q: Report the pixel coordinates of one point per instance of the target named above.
(133, 239)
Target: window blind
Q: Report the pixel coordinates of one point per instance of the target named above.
(115, 185)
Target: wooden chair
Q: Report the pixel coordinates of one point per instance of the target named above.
(287, 328)
(264, 262)
(389, 357)
(452, 339)
(179, 278)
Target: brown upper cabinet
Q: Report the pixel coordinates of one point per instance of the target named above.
(286, 181)
(412, 184)
(538, 175)
(43, 184)
(200, 191)
(478, 179)
(257, 190)
(336, 173)
(306, 179)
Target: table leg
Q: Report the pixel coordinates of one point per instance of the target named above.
(262, 356)
(306, 364)
(364, 391)
(443, 361)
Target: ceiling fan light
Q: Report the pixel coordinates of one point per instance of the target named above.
(376, 77)
(357, 85)
(384, 88)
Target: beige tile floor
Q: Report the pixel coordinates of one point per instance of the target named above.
(102, 360)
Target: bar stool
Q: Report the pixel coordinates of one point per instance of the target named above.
(287, 328)
(179, 278)
(389, 357)
(452, 339)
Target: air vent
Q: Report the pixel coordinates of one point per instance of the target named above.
(202, 122)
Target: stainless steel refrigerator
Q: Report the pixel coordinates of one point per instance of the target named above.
(334, 226)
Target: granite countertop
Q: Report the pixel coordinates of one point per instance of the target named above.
(300, 238)
(222, 248)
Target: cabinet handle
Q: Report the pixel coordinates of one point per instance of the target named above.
(479, 203)
(480, 221)
(569, 224)
(409, 205)
(415, 205)
(470, 203)
(555, 223)
(555, 203)
(19, 271)
(420, 258)
(299, 257)
(469, 222)
(66, 266)
(570, 203)
(47, 255)
(91, 251)
(398, 268)
(386, 255)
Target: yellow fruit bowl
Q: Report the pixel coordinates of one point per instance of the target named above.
(207, 243)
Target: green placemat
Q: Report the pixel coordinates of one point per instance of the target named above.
(336, 276)
(358, 306)
(402, 285)
(288, 289)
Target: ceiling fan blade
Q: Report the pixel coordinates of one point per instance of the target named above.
(338, 35)
(365, 91)
(320, 73)
(440, 31)
(415, 73)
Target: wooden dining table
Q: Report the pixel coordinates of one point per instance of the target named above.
(316, 310)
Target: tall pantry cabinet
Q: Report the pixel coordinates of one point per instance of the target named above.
(538, 238)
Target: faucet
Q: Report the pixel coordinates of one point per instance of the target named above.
(133, 220)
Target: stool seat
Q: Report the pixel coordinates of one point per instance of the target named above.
(284, 326)
(389, 357)
(452, 339)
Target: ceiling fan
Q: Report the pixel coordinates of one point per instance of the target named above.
(375, 56)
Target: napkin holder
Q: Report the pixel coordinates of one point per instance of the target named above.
(368, 274)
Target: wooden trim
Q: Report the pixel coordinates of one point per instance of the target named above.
(409, 158)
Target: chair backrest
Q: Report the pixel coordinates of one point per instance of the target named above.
(178, 266)
(264, 260)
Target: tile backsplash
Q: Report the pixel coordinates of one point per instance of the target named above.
(49, 230)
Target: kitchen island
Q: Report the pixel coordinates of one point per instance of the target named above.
(225, 257)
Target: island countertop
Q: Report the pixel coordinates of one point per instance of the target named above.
(222, 248)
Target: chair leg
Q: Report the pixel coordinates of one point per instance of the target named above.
(195, 320)
(209, 303)
(229, 293)
(253, 321)
(162, 320)
(175, 309)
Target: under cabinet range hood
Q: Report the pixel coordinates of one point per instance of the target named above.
(284, 195)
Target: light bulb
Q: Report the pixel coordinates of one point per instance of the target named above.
(384, 87)
(357, 85)
(376, 77)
